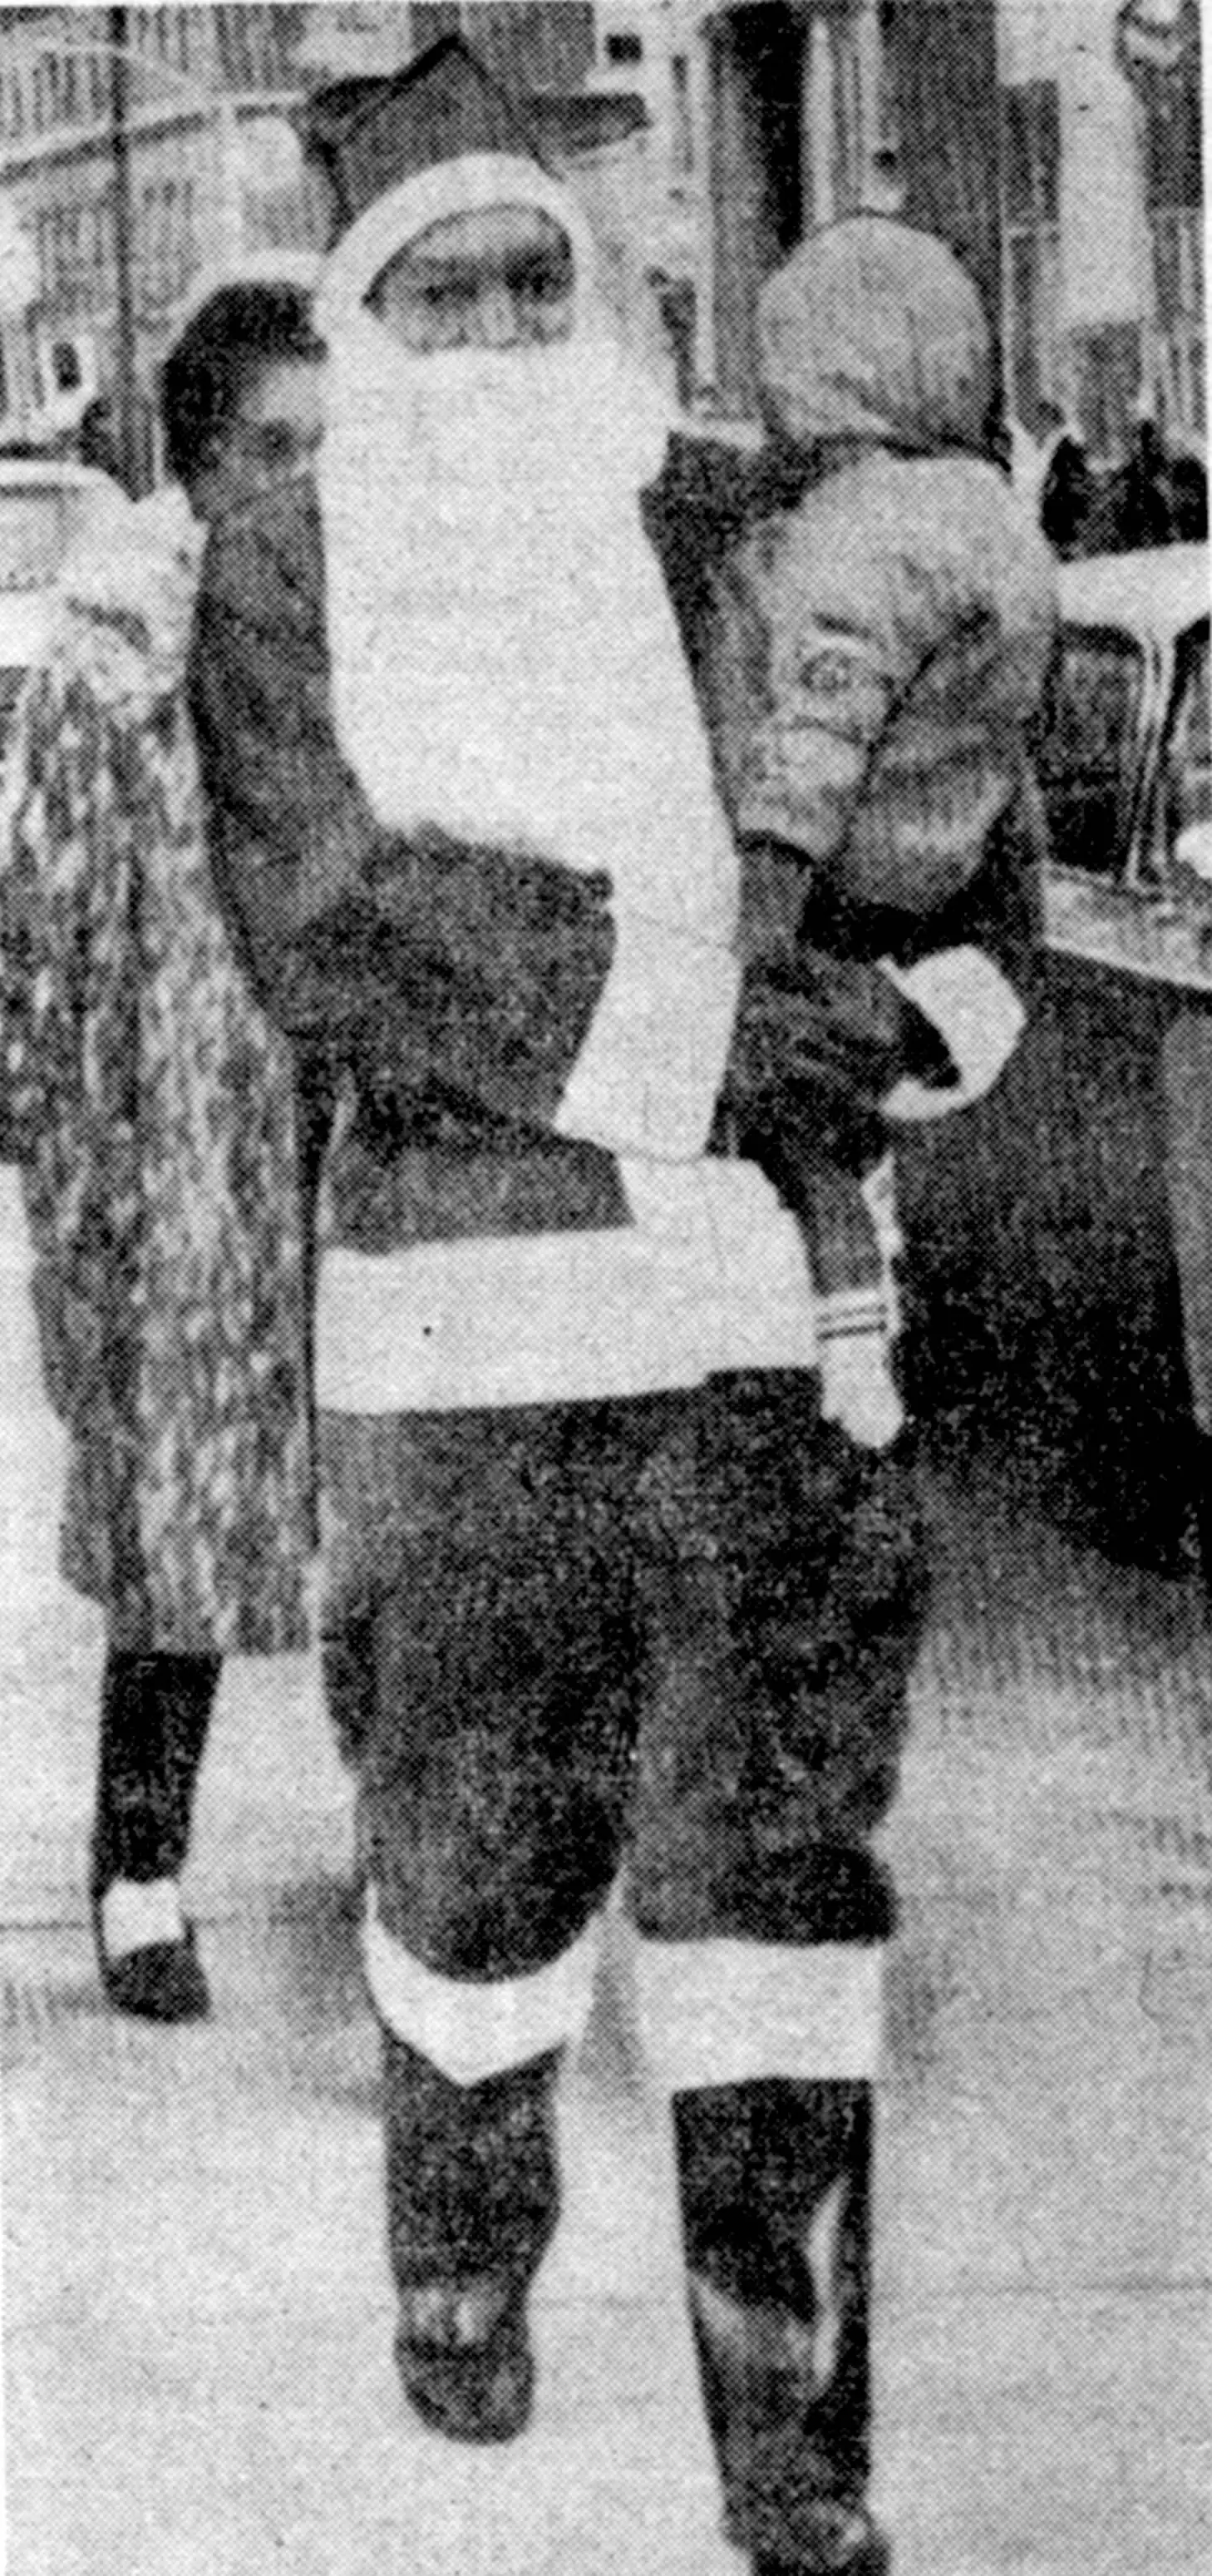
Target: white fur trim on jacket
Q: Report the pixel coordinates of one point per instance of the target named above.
(711, 1275)
(649, 1074)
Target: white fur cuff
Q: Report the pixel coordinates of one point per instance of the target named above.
(140, 1916)
(648, 1077)
(728, 2012)
(474, 2031)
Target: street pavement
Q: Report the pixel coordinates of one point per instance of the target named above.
(197, 2312)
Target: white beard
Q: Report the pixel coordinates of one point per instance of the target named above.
(505, 663)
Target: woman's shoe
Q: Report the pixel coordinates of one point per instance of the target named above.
(147, 1952)
(464, 2357)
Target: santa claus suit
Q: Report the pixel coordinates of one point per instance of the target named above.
(620, 1596)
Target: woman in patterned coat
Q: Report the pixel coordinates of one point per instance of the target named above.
(157, 1125)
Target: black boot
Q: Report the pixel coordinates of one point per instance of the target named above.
(472, 2199)
(155, 1712)
(775, 2185)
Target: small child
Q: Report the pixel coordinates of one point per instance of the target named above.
(875, 653)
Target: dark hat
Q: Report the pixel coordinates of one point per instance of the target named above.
(369, 135)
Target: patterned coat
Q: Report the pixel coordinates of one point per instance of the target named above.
(153, 1111)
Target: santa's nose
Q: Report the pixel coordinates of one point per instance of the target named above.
(497, 316)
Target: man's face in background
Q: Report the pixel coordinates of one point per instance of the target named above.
(272, 435)
(498, 279)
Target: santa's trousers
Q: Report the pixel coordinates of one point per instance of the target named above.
(675, 1632)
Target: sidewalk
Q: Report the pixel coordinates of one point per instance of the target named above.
(198, 2318)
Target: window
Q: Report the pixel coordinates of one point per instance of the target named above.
(42, 244)
(1031, 149)
(247, 45)
(683, 119)
(169, 34)
(35, 527)
(187, 255)
(624, 49)
(64, 238)
(1034, 339)
(1172, 140)
(101, 250)
(1186, 780)
(33, 356)
(533, 48)
(51, 236)
(1088, 756)
(150, 237)
(1178, 270)
(65, 367)
(165, 237)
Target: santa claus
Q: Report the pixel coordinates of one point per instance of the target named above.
(627, 1585)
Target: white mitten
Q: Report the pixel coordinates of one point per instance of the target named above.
(976, 1011)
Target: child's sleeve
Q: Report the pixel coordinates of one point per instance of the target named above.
(800, 679)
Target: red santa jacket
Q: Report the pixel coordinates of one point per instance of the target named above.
(456, 985)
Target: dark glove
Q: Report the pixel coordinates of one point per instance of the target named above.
(820, 1042)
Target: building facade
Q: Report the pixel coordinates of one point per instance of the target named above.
(209, 94)
(1102, 183)
(817, 108)
(202, 100)
(1056, 143)
(1058, 147)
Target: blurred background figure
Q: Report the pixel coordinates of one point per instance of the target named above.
(1066, 488)
(97, 438)
(1157, 495)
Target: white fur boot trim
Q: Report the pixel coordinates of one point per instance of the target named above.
(137, 1916)
(472, 2031)
(727, 2011)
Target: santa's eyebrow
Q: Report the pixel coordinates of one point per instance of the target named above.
(440, 268)
(554, 255)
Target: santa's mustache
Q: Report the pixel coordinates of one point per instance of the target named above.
(574, 419)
